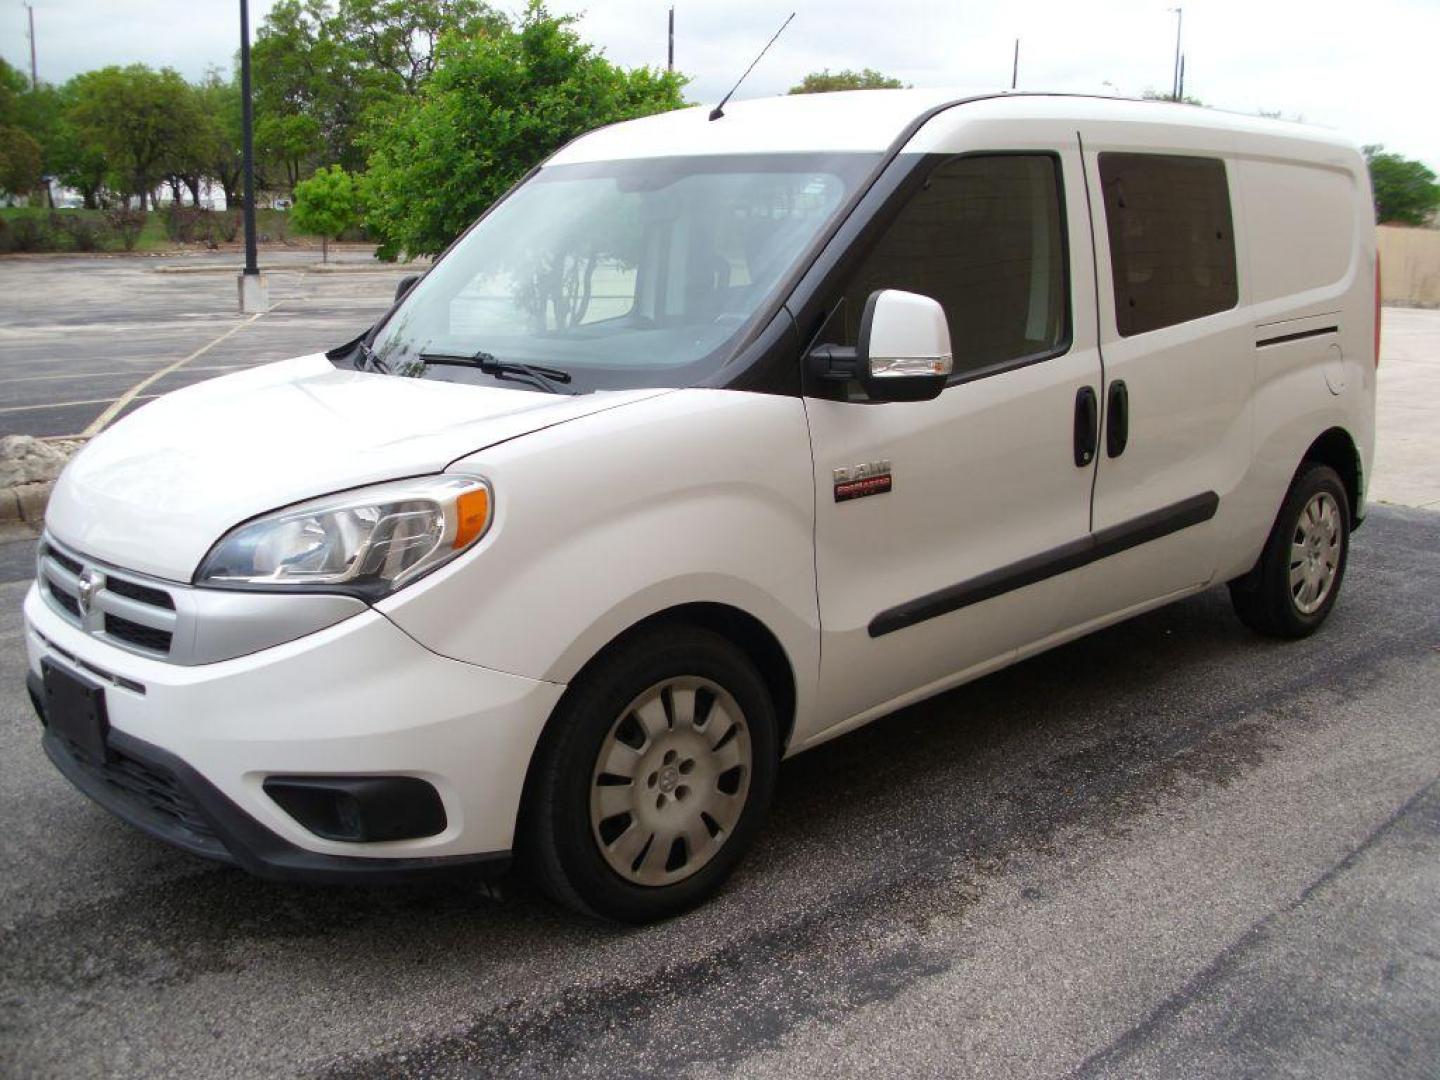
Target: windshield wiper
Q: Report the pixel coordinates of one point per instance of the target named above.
(546, 378)
(369, 361)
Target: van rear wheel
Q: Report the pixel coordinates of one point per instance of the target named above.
(1295, 583)
(653, 777)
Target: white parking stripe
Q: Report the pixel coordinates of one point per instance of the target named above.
(110, 374)
(71, 404)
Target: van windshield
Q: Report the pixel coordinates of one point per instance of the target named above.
(620, 274)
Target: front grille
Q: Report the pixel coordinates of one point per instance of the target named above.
(124, 608)
(73, 565)
(143, 593)
(144, 637)
(150, 793)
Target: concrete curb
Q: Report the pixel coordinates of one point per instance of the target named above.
(25, 504)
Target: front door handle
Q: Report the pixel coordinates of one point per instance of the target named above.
(1117, 418)
(1087, 426)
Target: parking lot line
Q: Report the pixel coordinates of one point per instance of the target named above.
(105, 375)
(74, 404)
(118, 405)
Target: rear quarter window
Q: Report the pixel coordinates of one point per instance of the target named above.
(1172, 241)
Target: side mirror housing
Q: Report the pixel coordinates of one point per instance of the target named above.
(903, 351)
(406, 284)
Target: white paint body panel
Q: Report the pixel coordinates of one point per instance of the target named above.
(159, 488)
(359, 697)
(699, 496)
(984, 477)
(610, 508)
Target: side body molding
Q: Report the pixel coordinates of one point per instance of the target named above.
(1071, 556)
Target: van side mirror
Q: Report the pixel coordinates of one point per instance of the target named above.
(406, 284)
(903, 351)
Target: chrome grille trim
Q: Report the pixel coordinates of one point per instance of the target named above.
(78, 590)
(204, 625)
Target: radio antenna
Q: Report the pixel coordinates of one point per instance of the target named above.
(719, 110)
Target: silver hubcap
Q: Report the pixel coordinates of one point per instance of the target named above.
(1315, 553)
(670, 781)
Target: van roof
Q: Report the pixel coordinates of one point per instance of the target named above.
(860, 121)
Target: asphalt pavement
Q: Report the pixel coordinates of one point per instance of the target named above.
(1170, 849)
(77, 332)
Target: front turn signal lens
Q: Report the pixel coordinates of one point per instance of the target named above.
(472, 513)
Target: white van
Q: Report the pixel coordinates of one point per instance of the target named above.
(711, 441)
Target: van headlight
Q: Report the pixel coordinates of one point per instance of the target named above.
(367, 542)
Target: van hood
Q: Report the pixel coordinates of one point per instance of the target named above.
(153, 493)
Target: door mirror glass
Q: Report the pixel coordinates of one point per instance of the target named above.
(903, 352)
(406, 284)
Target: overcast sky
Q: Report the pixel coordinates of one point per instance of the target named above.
(1366, 68)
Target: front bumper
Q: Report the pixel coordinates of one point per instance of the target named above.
(191, 747)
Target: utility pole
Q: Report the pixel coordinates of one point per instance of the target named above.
(1015, 66)
(671, 65)
(34, 70)
(1175, 82)
(1181, 95)
(254, 295)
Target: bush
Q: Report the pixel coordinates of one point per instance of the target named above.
(27, 233)
(194, 224)
(127, 225)
(82, 232)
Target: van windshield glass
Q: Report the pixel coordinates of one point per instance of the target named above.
(621, 274)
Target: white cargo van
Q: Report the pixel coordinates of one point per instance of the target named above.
(711, 441)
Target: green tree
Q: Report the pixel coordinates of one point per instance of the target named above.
(326, 205)
(494, 107)
(40, 116)
(1405, 191)
(27, 122)
(397, 38)
(336, 64)
(143, 120)
(219, 101)
(21, 160)
(825, 82)
(74, 159)
(290, 144)
(304, 72)
(12, 87)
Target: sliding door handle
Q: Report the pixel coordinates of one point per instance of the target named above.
(1087, 426)
(1117, 418)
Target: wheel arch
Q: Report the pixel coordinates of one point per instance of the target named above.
(741, 628)
(748, 633)
(1337, 449)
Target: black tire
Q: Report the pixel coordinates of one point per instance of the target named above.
(1263, 598)
(558, 842)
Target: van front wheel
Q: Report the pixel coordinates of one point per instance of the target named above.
(653, 777)
(1294, 585)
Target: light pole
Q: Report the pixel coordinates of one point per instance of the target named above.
(34, 71)
(1175, 80)
(254, 294)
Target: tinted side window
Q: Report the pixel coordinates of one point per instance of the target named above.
(983, 237)
(1172, 248)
